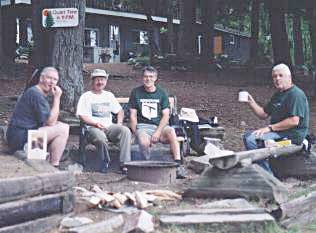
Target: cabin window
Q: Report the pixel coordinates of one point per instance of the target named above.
(139, 37)
(91, 37)
(232, 39)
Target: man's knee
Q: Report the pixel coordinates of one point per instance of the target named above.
(143, 139)
(126, 131)
(248, 136)
(64, 128)
(99, 142)
(169, 134)
(249, 140)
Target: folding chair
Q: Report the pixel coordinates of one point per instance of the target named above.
(84, 141)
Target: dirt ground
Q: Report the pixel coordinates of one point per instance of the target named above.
(209, 94)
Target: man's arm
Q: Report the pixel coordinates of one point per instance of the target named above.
(54, 112)
(256, 108)
(133, 119)
(163, 122)
(285, 124)
(120, 117)
(89, 121)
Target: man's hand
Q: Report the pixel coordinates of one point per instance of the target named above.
(100, 126)
(250, 99)
(56, 91)
(155, 137)
(259, 132)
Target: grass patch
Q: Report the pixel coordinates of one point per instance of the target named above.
(224, 228)
(301, 193)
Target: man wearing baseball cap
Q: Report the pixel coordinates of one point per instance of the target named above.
(94, 109)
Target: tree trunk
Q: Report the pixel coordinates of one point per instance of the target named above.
(312, 29)
(280, 42)
(187, 34)
(43, 38)
(207, 51)
(1, 34)
(255, 10)
(298, 43)
(8, 20)
(171, 35)
(149, 6)
(61, 48)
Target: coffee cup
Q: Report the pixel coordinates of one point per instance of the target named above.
(243, 96)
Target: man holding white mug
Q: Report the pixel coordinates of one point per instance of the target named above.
(288, 110)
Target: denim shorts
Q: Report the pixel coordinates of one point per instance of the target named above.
(149, 129)
(16, 138)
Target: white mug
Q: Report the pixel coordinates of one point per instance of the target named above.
(243, 96)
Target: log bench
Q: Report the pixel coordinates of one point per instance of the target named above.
(235, 175)
(37, 202)
(158, 152)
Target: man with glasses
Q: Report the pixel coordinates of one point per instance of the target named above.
(149, 118)
(33, 111)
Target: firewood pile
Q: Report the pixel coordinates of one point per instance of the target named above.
(98, 198)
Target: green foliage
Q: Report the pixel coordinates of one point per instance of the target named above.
(307, 48)
(139, 61)
(264, 40)
(234, 14)
(49, 22)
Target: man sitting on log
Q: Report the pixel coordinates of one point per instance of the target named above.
(149, 118)
(95, 109)
(288, 110)
(33, 111)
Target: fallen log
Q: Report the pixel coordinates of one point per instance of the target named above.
(41, 165)
(299, 211)
(21, 187)
(229, 161)
(41, 225)
(16, 212)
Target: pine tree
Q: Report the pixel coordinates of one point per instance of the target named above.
(49, 22)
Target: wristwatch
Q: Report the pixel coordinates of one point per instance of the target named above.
(270, 128)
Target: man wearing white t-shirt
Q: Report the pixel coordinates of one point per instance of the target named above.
(95, 108)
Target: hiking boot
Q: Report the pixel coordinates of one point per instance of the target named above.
(181, 172)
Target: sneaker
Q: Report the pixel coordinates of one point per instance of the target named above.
(181, 172)
(105, 167)
(124, 170)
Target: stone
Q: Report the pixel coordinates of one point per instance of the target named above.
(199, 164)
(141, 222)
(106, 226)
(68, 222)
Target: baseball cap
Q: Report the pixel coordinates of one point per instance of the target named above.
(99, 73)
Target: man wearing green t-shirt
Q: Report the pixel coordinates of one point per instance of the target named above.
(288, 110)
(149, 117)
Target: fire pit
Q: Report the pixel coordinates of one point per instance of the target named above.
(157, 172)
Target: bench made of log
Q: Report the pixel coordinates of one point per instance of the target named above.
(229, 161)
(20, 211)
(21, 187)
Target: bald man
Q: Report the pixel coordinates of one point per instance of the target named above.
(33, 111)
(288, 111)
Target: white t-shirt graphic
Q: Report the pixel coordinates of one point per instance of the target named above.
(149, 108)
(98, 106)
